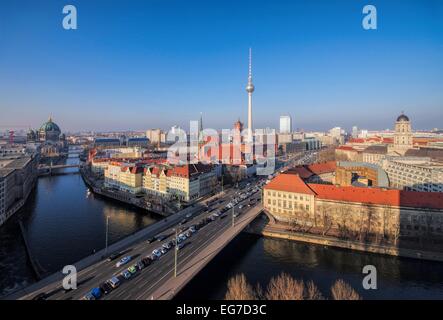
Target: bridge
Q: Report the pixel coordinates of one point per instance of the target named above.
(58, 166)
(165, 277)
(52, 170)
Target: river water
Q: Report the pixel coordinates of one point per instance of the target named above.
(64, 222)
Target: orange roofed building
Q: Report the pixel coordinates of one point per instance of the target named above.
(185, 182)
(350, 212)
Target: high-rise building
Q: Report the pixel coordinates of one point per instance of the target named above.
(285, 124)
(200, 128)
(250, 89)
(355, 132)
(154, 135)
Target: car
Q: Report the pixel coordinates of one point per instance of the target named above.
(88, 296)
(114, 282)
(166, 245)
(240, 206)
(133, 269)
(193, 229)
(105, 287)
(97, 293)
(161, 237)
(188, 215)
(147, 261)
(188, 234)
(114, 256)
(40, 296)
(126, 274)
(153, 257)
(236, 214)
(213, 218)
(157, 253)
(182, 236)
(163, 250)
(123, 261)
(141, 265)
(180, 246)
(150, 240)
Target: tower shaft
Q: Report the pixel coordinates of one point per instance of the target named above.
(250, 89)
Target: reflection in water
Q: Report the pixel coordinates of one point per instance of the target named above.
(262, 258)
(64, 224)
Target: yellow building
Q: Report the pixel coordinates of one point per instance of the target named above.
(155, 180)
(186, 183)
(127, 178)
(288, 195)
(356, 213)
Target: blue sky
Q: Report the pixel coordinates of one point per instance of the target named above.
(156, 63)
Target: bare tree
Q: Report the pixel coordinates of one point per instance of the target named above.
(327, 220)
(284, 287)
(240, 289)
(328, 154)
(312, 292)
(343, 291)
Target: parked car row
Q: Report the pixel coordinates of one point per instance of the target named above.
(113, 283)
(178, 242)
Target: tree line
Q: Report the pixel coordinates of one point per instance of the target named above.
(285, 287)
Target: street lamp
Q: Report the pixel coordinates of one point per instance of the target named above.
(175, 254)
(233, 217)
(107, 231)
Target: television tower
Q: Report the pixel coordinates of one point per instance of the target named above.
(250, 89)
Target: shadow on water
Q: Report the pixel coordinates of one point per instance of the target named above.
(64, 223)
(262, 258)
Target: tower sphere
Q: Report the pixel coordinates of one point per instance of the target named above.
(250, 88)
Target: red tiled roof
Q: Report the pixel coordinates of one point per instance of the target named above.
(187, 171)
(136, 169)
(289, 183)
(324, 167)
(371, 196)
(357, 140)
(433, 200)
(301, 171)
(346, 148)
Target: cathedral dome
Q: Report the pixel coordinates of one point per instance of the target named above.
(50, 126)
(402, 117)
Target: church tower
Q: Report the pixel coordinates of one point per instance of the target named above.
(403, 134)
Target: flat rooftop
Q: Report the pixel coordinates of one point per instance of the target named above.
(18, 163)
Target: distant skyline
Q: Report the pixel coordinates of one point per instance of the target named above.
(134, 65)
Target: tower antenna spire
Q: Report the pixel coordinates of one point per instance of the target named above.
(250, 64)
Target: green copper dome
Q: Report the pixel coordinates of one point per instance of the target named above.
(50, 126)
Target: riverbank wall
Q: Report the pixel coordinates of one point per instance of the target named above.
(280, 233)
(127, 199)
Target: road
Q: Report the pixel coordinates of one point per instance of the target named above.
(145, 282)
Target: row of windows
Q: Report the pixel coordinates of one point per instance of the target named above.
(288, 196)
(288, 205)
